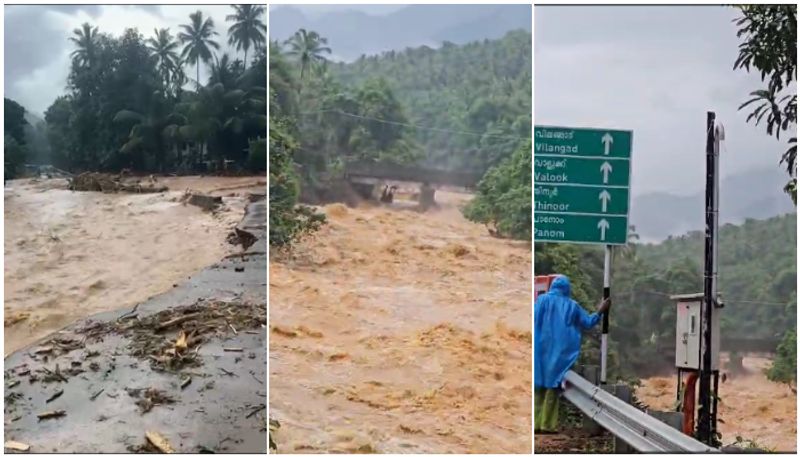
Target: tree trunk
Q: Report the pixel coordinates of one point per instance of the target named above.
(198, 74)
(245, 58)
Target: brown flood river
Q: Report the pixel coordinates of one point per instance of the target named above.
(395, 331)
(72, 254)
(753, 407)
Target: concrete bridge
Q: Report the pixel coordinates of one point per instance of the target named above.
(365, 172)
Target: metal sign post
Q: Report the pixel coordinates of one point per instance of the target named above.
(606, 296)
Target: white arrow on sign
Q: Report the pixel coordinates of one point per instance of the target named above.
(603, 226)
(607, 141)
(606, 168)
(604, 197)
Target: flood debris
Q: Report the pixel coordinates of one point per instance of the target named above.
(17, 446)
(96, 394)
(255, 410)
(108, 183)
(55, 395)
(51, 414)
(170, 339)
(158, 441)
(228, 372)
(148, 398)
(182, 342)
(207, 202)
(11, 399)
(175, 321)
(54, 375)
(241, 238)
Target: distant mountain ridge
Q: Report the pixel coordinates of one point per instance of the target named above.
(352, 33)
(756, 194)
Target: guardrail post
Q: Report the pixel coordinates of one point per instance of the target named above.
(672, 418)
(592, 374)
(624, 393)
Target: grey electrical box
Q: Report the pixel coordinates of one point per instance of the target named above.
(689, 332)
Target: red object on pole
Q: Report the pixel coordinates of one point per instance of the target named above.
(541, 284)
(688, 404)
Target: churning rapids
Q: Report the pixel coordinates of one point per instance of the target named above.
(752, 406)
(69, 254)
(395, 331)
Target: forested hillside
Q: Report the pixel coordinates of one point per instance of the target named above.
(460, 107)
(757, 271)
(478, 95)
(130, 104)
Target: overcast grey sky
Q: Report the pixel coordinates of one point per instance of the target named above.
(656, 71)
(315, 10)
(37, 45)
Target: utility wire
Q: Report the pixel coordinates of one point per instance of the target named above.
(420, 127)
(748, 301)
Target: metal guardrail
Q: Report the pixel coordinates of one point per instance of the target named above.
(641, 431)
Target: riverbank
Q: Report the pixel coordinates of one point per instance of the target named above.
(188, 365)
(69, 255)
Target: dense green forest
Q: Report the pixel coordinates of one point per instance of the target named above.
(482, 87)
(393, 107)
(757, 281)
(130, 103)
(504, 201)
(15, 143)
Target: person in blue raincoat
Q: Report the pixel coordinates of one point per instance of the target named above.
(558, 321)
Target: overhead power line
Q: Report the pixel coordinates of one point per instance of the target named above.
(748, 301)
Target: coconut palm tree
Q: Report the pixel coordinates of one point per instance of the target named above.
(86, 40)
(164, 49)
(197, 40)
(308, 48)
(222, 71)
(247, 29)
(216, 114)
(152, 132)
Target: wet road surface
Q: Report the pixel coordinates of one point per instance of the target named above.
(106, 402)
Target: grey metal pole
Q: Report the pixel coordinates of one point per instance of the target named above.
(606, 296)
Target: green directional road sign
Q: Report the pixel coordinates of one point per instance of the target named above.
(580, 228)
(571, 170)
(582, 142)
(572, 199)
(581, 185)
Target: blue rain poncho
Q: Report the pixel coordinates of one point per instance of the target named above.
(558, 321)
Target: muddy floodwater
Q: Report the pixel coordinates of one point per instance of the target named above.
(753, 407)
(396, 331)
(69, 254)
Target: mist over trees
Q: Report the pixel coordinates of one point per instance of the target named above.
(454, 108)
